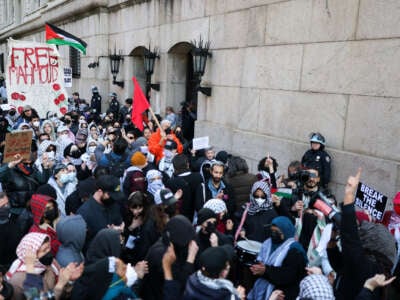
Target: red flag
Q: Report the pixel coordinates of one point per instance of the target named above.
(140, 104)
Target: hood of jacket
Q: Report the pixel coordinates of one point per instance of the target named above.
(71, 232)
(38, 206)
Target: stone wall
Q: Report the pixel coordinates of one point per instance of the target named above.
(280, 69)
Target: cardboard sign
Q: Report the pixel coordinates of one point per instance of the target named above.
(35, 77)
(371, 200)
(18, 142)
(201, 143)
(67, 77)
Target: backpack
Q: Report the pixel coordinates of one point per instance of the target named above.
(117, 166)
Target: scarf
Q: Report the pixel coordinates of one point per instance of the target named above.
(263, 289)
(312, 253)
(32, 241)
(217, 284)
(254, 208)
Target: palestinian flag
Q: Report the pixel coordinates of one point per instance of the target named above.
(57, 36)
(282, 192)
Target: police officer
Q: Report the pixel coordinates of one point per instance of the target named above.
(114, 106)
(318, 158)
(95, 103)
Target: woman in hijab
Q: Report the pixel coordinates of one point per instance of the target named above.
(48, 127)
(281, 263)
(257, 214)
(45, 265)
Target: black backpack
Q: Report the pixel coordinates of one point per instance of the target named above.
(117, 167)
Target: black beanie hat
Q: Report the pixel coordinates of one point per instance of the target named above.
(48, 190)
(205, 214)
(214, 259)
(180, 230)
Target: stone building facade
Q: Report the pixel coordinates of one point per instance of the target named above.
(279, 70)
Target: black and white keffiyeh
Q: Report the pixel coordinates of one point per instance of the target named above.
(316, 287)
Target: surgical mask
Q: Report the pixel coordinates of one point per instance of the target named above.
(65, 178)
(36, 124)
(131, 275)
(71, 176)
(260, 201)
(47, 259)
(276, 237)
(51, 155)
(92, 149)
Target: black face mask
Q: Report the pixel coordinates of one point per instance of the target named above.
(210, 228)
(276, 237)
(107, 202)
(47, 259)
(12, 112)
(76, 154)
(67, 121)
(51, 214)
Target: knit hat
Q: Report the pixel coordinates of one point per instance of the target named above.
(27, 107)
(216, 205)
(167, 197)
(377, 238)
(58, 168)
(214, 259)
(180, 231)
(222, 156)
(47, 189)
(316, 287)
(205, 214)
(138, 160)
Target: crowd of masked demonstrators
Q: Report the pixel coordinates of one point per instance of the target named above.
(102, 210)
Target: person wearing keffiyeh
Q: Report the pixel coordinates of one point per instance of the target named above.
(315, 287)
(45, 265)
(257, 214)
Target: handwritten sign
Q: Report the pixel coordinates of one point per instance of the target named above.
(201, 143)
(371, 200)
(35, 77)
(18, 142)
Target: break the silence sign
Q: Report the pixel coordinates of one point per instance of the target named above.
(35, 76)
(371, 200)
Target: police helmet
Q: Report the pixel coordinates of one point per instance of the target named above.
(95, 89)
(316, 137)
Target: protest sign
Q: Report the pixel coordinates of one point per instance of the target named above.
(17, 142)
(35, 77)
(201, 143)
(67, 77)
(371, 200)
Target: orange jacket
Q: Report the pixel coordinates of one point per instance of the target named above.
(157, 149)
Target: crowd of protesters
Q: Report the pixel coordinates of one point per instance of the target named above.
(101, 210)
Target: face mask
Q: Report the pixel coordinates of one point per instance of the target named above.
(71, 176)
(51, 214)
(64, 178)
(12, 112)
(210, 228)
(75, 154)
(46, 259)
(276, 237)
(260, 201)
(67, 121)
(92, 149)
(130, 274)
(107, 202)
(168, 154)
(51, 155)
(36, 124)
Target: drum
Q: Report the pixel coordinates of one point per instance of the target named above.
(247, 251)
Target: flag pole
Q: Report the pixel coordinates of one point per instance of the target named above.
(155, 119)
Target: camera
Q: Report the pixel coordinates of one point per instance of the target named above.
(301, 176)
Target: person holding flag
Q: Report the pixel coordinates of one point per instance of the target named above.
(164, 133)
